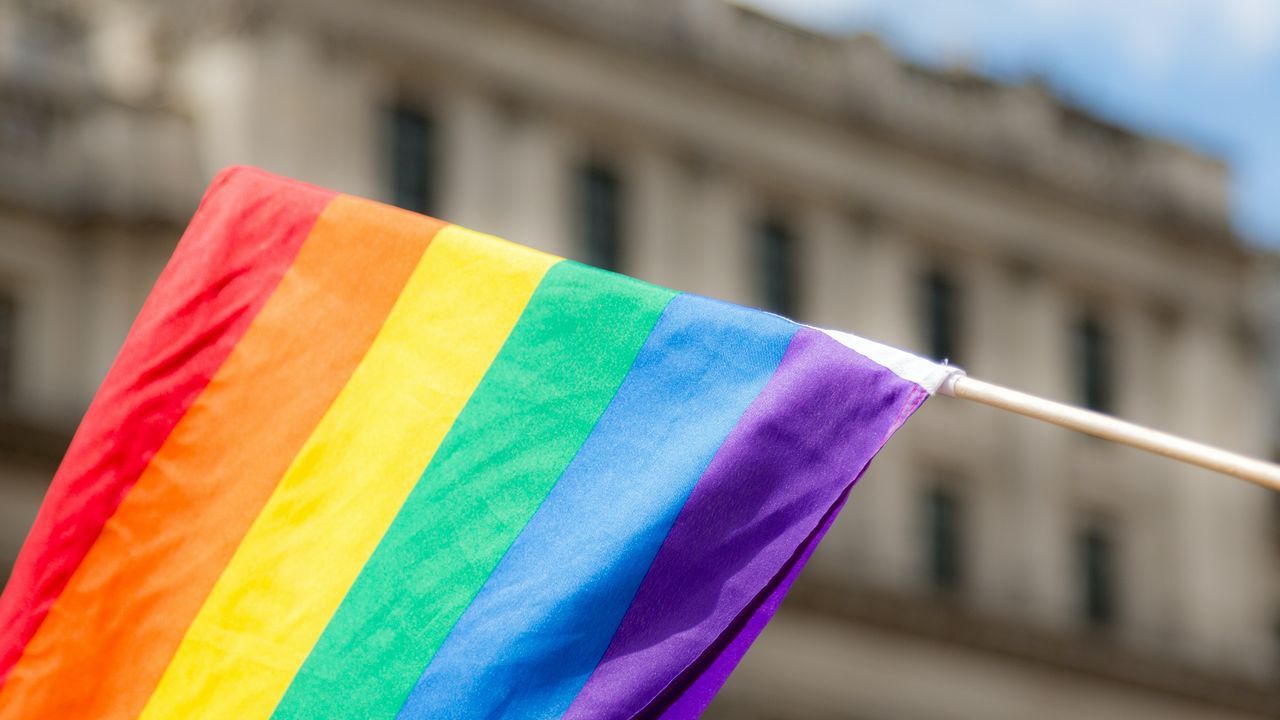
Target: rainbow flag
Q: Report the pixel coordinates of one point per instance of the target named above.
(353, 462)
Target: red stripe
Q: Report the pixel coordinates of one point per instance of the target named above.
(244, 236)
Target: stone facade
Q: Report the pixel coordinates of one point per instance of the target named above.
(1036, 216)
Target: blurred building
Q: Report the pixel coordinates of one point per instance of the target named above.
(987, 566)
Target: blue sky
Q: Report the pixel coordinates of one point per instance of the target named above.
(1202, 72)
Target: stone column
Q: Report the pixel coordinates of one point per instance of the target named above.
(110, 268)
(471, 149)
(831, 269)
(881, 523)
(1137, 482)
(884, 303)
(255, 99)
(991, 480)
(656, 238)
(40, 271)
(1039, 586)
(721, 262)
(1220, 526)
(532, 202)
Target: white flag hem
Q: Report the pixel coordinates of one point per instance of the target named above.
(912, 368)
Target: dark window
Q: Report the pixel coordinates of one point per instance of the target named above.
(412, 150)
(600, 216)
(777, 264)
(1275, 513)
(943, 543)
(1275, 637)
(1097, 581)
(941, 316)
(8, 345)
(1093, 364)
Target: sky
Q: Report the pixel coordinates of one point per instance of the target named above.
(1205, 73)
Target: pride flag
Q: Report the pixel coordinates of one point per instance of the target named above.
(353, 462)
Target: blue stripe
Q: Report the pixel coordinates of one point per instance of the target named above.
(530, 639)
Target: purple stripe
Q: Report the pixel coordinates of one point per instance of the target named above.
(691, 694)
(747, 529)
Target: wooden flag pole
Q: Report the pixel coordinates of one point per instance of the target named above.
(1109, 428)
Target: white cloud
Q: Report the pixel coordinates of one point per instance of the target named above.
(1155, 36)
(1254, 25)
(1226, 34)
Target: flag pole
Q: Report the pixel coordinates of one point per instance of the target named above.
(1109, 428)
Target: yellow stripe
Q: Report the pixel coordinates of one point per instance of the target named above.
(341, 493)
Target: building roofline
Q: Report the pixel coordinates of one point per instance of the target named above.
(1023, 130)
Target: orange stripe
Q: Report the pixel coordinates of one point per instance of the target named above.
(110, 635)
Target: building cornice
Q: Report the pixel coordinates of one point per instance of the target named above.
(1021, 130)
(1092, 656)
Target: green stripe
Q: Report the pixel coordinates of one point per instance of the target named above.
(540, 399)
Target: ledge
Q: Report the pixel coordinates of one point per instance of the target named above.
(31, 443)
(1093, 657)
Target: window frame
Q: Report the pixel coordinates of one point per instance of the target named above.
(1094, 362)
(10, 321)
(777, 264)
(399, 116)
(943, 559)
(941, 308)
(601, 213)
(1097, 574)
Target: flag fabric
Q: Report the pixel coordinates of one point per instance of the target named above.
(355, 462)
